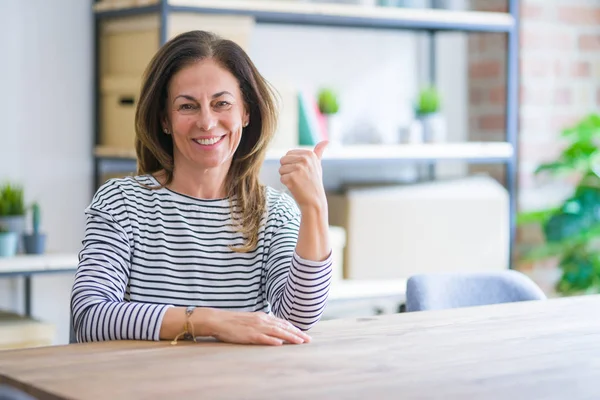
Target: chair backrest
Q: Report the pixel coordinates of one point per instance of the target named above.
(454, 290)
(11, 393)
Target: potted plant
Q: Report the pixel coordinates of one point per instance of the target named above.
(12, 210)
(8, 242)
(571, 230)
(329, 106)
(427, 112)
(35, 243)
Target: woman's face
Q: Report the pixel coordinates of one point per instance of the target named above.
(206, 115)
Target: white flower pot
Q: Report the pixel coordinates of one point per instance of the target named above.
(434, 128)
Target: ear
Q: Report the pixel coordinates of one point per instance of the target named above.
(245, 117)
(164, 125)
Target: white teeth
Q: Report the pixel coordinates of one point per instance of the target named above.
(208, 142)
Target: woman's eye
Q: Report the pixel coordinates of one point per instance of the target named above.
(187, 107)
(223, 104)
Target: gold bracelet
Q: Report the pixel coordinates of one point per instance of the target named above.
(187, 327)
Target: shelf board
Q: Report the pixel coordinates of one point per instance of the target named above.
(324, 14)
(470, 151)
(481, 152)
(22, 264)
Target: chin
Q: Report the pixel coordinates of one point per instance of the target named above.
(211, 163)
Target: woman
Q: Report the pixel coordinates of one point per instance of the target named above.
(194, 245)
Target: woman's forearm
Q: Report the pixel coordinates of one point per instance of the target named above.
(313, 235)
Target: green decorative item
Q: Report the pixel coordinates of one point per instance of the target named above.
(35, 243)
(428, 102)
(572, 229)
(12, 210)
(328, 102)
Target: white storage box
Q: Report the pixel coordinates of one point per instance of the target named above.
(395, 232)
(337, 237)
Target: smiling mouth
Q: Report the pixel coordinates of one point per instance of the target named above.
(209, 141)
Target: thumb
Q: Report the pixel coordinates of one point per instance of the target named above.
(320, 148)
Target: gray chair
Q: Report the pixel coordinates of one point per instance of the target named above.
(11, 393)
(453, 290)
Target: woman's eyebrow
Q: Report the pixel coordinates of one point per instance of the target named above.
(219, 94)
(191, 98)
(185, 96)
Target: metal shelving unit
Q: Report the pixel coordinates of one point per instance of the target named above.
(430, 21)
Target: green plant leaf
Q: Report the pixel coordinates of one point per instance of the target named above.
(535, 217)
(585, 130)
(572, 231)
(11, 200)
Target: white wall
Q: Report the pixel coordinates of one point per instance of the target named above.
(46, 109)
(46, 135)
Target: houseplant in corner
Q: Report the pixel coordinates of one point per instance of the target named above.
(329, 106)
(427, 112)
(35, 243)
(8, 242)
(12, 210)
(571, 231)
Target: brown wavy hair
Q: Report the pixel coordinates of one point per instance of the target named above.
(155, 149)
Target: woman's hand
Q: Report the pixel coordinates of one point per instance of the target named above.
(253, 328)
(302, 174)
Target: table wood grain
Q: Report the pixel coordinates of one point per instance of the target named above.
(534, 350)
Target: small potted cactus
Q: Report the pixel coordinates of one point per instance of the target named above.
(35, 243)
(8, 241)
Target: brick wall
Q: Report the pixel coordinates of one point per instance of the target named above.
(487, 83)
(559, 83)
(560, 78)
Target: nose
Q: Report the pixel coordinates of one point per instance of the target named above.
(207, 120)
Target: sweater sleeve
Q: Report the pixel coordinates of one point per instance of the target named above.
(99, 308)
(296, 288)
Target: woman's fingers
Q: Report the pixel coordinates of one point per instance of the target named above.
(286, 334)
(288, 168)
(294, 159)
(268, 340)
(288, 326)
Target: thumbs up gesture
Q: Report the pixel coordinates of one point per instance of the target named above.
(302, 174)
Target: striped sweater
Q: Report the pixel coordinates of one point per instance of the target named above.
(146, 250)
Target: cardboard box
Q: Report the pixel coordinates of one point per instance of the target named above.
(394, 232)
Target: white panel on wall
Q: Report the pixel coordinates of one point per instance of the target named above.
(46, 136)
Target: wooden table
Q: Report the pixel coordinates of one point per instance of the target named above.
(534, 350)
